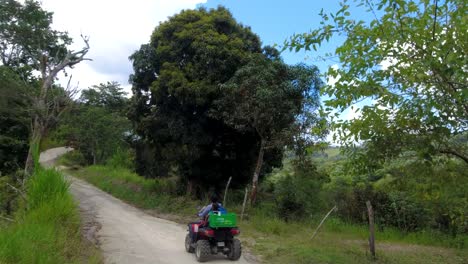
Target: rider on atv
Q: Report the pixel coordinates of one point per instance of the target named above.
(214, 206)
(214, 233)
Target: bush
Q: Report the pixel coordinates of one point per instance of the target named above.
(298, 194)
(73, 158)
(122, 158)
(288, 202)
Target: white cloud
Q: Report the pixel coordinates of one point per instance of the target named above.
(116, 29)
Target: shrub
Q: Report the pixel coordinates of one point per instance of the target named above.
(122, 158)
(73, 158)
(298, 194)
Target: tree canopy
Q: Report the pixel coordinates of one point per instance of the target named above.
(183, 84)
(276, 102)
(175, 82)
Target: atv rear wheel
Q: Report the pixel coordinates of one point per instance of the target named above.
(202, 250)
(188, 244)
(235, 249)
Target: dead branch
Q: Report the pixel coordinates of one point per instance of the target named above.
(323, 220)
(21, 193)
(6, 218)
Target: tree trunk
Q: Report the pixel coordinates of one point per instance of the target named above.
(93, 153)
(190, 186)
(371, 229)
(36, 137)
(258, 168)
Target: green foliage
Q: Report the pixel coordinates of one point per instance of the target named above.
(9, 199)
(176, 80)
(110, 96)
(278, 241)
(96, 126)
(14, 119)
(27, 37)
(298, 193)
(407, 193)
(46, 185)
(47, 228)
(122, 158)
(144, 193)
(72, 158)
(277, 102)
(408, 64)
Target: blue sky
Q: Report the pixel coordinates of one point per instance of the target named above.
(274, 21)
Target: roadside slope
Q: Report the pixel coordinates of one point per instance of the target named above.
(127, 234)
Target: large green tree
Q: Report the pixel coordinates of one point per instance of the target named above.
(276, 102)
(177, 77)
(409, 65)
(28, 44)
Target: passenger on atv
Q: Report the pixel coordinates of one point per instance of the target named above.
(214, 206)
(214, 233)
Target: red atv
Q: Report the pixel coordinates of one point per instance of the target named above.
(214, 237)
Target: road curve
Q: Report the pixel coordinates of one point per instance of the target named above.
(124, 233)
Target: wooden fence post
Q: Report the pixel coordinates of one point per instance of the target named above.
(225, 191)
(371, 229)
(245, 201)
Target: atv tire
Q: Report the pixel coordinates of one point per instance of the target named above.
(235, 249)
(202, 250)
(188, 244)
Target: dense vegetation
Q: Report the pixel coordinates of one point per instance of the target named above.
(39, 221)
(209, 103)
(268, 235)
(199, 129)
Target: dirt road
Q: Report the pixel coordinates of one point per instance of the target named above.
(124, 233)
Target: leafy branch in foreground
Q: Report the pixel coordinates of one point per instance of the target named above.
(408, 65)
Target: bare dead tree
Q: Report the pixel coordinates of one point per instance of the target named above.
(45, 109)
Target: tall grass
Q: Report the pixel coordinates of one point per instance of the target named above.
(47, 227)
(158, 194)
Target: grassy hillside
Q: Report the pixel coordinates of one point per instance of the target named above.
(274, 240)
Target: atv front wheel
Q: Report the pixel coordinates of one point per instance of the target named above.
(188, 244)
(203, 250)
(235, 249)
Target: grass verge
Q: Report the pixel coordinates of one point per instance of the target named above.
(276, 241)
(47, 226)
